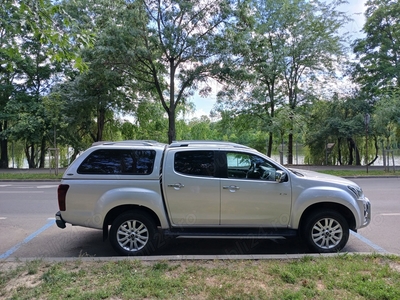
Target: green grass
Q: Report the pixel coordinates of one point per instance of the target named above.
(340, 277)
(357, 173)
(29, 176)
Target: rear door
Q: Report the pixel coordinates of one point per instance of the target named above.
(191, 189)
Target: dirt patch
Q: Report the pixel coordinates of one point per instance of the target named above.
(24, 281)
(8, 266)
(395, 266)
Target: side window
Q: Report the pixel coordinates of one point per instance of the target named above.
(116, 161)
(249, 166)
(196, 163)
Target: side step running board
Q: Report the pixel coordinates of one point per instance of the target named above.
(232, 233)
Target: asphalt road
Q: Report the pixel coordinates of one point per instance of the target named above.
(27, 228)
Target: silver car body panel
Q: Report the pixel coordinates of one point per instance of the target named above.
(195, 201)
(91, 197)
(312, 188)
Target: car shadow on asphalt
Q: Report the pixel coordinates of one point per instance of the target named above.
(84, 242)
(92, 245)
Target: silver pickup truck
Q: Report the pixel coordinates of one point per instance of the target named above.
(134, 190)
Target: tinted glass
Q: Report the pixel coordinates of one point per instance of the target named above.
(244, 165)
(115, 161)
(197, 163)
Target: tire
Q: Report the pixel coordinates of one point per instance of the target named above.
(326, 232)
(133, 234)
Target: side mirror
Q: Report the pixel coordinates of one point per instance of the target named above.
(280, 176)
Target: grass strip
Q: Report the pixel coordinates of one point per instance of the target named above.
(29, 176)
(339, 277)
(358, 173)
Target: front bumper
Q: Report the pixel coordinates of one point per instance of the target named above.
(59, 220)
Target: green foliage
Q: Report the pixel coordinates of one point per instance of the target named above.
(278, 57)
(340, 121)
(386, 118)
(71, 71)
(378, 53)
(167, 48)
(35, 48)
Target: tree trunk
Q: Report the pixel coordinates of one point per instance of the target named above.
(3, 148)
(358, 157)
(269, 145)
(73, 156)
(351, 147)
(172, 103)
(271, 96)
(340, 151)
(100, 123)
(171, 125)
(30, 155)
(42, 153)
(290, 149)
(376, 151)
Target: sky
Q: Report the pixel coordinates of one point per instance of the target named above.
(354, 8)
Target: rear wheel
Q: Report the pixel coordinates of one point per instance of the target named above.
(133, 234)
(326, 232)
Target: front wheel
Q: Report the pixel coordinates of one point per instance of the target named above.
(133, 234)
(326, 232)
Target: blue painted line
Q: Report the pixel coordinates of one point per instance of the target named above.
(6, 254)
(368, 242)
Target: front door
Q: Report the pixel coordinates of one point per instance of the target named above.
(250, 196)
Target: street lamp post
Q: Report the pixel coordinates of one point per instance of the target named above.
(367, 118)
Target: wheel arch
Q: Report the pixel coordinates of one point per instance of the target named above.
(118, 210)
(325, 206)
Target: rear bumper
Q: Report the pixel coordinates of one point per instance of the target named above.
(59, 220)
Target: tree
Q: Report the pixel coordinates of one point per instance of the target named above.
(34, 75)
(312, 46)
(34, 72)
(379, 51)
(253, 64)
(287, 46)
(168, 48)
(35, 41)
(340, 121)
(386, 118)
(10, 29)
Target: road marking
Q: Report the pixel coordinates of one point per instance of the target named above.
(3, 218)
(368, 242)
(50, 222)
(21, 192)
(391, 214)
(46, 186)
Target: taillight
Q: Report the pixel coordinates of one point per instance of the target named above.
(62, 194)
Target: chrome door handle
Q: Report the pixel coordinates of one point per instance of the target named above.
(176, 185)
(231, 187)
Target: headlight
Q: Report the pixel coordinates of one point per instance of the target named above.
(367, 212)
(357, 191)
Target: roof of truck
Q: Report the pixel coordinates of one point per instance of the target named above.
(207, 143)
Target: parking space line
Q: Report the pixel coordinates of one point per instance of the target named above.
(391, 214)
(21, 192)
(368, 242)
(50, 222)
(47, 186)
